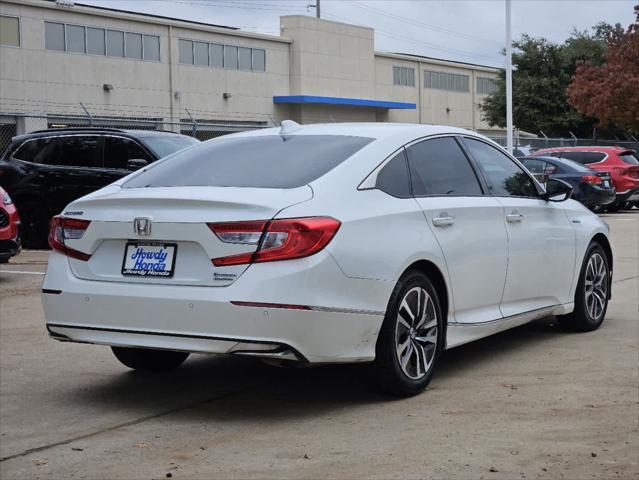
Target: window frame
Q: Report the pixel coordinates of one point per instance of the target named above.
(19, 19)
(538, 187)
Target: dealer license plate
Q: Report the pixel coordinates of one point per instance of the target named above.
(149, 259)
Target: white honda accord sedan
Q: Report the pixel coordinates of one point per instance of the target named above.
(382, 243)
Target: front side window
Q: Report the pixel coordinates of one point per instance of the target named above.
(270, 161)
(393, 177)
(118, 151)
(9, 31)
(505, 178)
(440, 167)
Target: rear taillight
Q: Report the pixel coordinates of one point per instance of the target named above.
(591, 179)
(276, 239)
(62, 229)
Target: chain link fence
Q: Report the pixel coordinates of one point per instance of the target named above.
(12, 124)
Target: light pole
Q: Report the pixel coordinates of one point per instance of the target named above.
(509, 82)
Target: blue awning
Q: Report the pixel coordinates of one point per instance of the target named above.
(354, 102)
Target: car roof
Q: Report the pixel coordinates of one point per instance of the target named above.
(370, 130)
(602, 149)
(91, 130)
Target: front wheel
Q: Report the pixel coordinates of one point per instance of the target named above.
(149, 360)
(411, 338)
(591, 295)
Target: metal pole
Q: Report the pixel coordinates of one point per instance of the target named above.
(317, 10)
(509, 82)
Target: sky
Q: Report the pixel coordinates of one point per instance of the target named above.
(463, 30)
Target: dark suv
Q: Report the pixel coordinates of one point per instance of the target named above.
(43, 171)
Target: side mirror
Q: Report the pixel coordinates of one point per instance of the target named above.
(557, 190)
(136, 163)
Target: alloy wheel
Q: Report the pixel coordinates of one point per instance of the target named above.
(416, 333)
(596, 286)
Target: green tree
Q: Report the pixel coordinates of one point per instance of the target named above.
(541, 72)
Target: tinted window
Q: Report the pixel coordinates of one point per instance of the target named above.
(166, 145)
(534, 166)
(115, 43)
(95, 41)
(583, 157)
(505, 177)
(393, 178)
(75, 39)
(439, 167)
(629, 158)
(80, 151)
(118, 151)
(54, 36)
(36, 151)
(271, 161)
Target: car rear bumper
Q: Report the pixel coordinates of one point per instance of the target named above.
(630, 195)
(341, 325)
(597, 196)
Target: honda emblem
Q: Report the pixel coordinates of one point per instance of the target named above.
(142, 226)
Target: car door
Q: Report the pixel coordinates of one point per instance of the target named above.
(541, 240)
(117, 153)
(467, 222)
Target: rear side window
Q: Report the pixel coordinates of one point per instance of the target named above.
(80, 151)
(583, 157)
(630, 158)
(118, 151)
(534, 166)
(440, 167)
(270, 161)
(505, 178)
(393, 178)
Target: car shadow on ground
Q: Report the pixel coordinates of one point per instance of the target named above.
(222, 388)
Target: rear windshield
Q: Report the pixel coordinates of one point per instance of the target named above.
(164, 145)
(271, 161)
(584, 157)
(629, 158)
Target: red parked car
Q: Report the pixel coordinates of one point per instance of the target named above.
(9, 228)
(622, 164)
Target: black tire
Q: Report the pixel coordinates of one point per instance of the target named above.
(149, 360)
(35, 224)
(613, 208)
(391, 376)
(582, 318)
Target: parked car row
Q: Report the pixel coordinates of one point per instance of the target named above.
(620, 165)
(44, 171)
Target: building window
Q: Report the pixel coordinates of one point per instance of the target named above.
(259, 60)
(151, 47)
(404, 76)
(215, 55)
(230, 57)
(133, 45)
(201, 54)
(75, 39)
(115, 43)
(98, 41)
(486, 86)
(9, 31)
(54, 36)
(446, 81)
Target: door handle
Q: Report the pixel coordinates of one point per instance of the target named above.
(514, 217)
(444, 220)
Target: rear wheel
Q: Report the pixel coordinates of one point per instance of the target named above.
(35, 224)
(411, 339)
(591, 296)
(149, 360)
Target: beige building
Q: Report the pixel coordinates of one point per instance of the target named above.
(58, 59)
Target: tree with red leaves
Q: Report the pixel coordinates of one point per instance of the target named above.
(610, 92)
